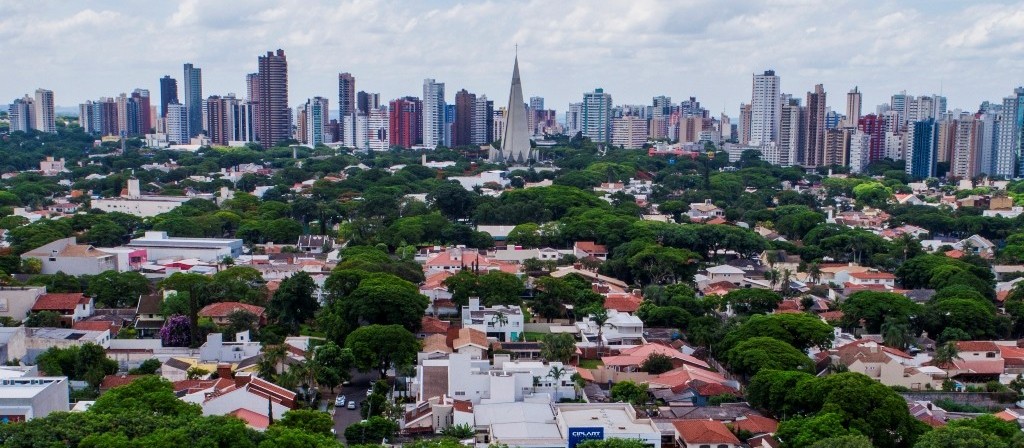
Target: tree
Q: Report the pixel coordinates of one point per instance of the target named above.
(750, 356)
(873, 308)
(176, 332)
(148, 367)
(753, 301)
(946, 354)
(800, 330)
(293, 302)
(558, 347)
(380, 347)
(43, 319)
(309, 421)
(459, 432)
(802, 432)
(373, 430)
(662, 265)
(613, 442)
(629, 392)
(333, 364)
(657, 363)
(896, 334)
(242, 320)
(87, 362)
(112, 289)
(192, 288)
(958, 437)
(852, 441)
(238, 284)
(1009, 431)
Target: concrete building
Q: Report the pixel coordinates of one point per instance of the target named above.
(479, 381)
(133, 202)
(574, 119)
(21, 114)
(853, 106)
(765, 109)
(67, 256)
(595, 121)
(38, 340)
(273, 114)
(71, 307)
(433, 113)
(515, 133)
(28, 397)
(45, 120)
(17, 301)
(216, 350)
(860, 151)
(629, 132)
(316, 118)
(193, 99)
(814, 128)
(502, 322)
(539, 425)
(377, 130)
(160, 246)
(921, 149)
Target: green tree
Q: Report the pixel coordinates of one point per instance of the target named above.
(380, 347)
(373, 430)
(87, 362)
(873, 308)
(112, 289)
(293, 302)
(750, 356)
(852, 441)
(656, 363)
(753, 301)
(958, 437)
(148, 367)
(558, 347)
(309, 421)
(43, 319)
(629, 392)
(802, 432)
(802, 331)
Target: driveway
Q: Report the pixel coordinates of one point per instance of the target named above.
(343, 417)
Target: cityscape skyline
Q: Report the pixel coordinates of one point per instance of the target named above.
(564, 58)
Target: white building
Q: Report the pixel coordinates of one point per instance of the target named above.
(462, 377)
(378, 126)
(160, 246)
(502, 322)
(27, 397)
(537, 425)
(620, 331)
(216, 350)
(629, 132)
(765, 109)
(137, 204)
(67, 256)
(433, 113)
(860, 151)
(44, 116)
(17, 301)
(595, 115)
(176, 124)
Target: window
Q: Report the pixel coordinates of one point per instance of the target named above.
(990, 355)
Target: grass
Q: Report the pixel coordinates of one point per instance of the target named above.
(590, 363)
(533, 336)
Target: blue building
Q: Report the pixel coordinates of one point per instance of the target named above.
(921, 153)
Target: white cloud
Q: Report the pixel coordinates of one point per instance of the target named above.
(635, 49)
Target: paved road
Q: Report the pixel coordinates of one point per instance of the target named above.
(343, 417)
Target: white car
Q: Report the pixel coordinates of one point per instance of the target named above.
(340, 401)
(352, 404)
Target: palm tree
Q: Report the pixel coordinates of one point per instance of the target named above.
(896, 334)
(773, 277)
(946, 354)
(599, 316)
(785, 279)
(556, 374)
(268, 366)
(814, 271)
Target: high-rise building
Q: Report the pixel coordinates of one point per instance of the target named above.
(483, 121)
(963, 158)
(317, 116)
(921, 149)
(833, 119)
(874, 128)
(744, 124)
(465, 117)
(357, 131)
(274, 115)
(449, 124)
(45, 120)
(765, 109)
(168, 93)
(176, 123)
(1009, 140)
(193, 96)
(515, 137)
(217, 113)
(433, 113)
(366, 102)
(814, 128)
(595, 119)
(837, 147)
(405, 122)
(691, 108)
(574, 119)
(143, 118)
(629, 132)
(378, 134)
(87, 117)
(986, 139)
(860, 151)
(853, 103)
(346, 94)
(791, 127)
(898, 103)
(22, 114)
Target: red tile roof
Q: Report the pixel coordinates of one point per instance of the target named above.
(831, 315)
(873, 275)
(433, 325)
(97, 325)
(591, 247)
(223, 309)
(462, 405)
(713, 389)
(977, 346)
(756, 424)
(253, 419)
(626, 303)
(704, 431)
(60, 302)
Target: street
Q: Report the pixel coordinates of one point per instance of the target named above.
(343, 417)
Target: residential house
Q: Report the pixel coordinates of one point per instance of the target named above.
(24, 398)
(726, 273)
(245, 392)
(456, 259)
(977, 361)
(632, 359)
(620, 331)
(703, 211)
(52, 167)
(502, 322)
(481, 381)
(220, 312)
(704, 434)
(622, 302)
(315, 244)
(149, 318)
(216, 350)
(71, 307)
(873, 277)
(17, 301)
(67, 256)
(977, 245)
(585, 249)
(433, 287)
(887, 365)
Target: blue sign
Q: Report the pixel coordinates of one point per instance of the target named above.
(580, 434)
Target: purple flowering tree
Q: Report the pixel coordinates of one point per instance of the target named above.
(176, 332)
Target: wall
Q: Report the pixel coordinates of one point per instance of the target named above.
(17, 302)
(971, 398)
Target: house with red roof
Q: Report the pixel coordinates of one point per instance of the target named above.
(245, 392)
(704, 434)
(755, 424)
(873, 277)
(977, 361)
(72, 307)
(622, 302)
(431, 325)
(441, 302)
(221, 311)
(631, 360)
(584, 249)
(455, 259)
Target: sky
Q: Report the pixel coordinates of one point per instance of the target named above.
(970, 51)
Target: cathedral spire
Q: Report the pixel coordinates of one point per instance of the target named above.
(515, 142)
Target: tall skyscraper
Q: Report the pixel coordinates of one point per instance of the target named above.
(921, 149)
(744, 124)
(791, 126)
(814, 128)
(177, 123)
(465, 117)
(574, 119)
(860, 150)
(405, 122)
(595, 119)
(168, 93)
(515, 137)
(217, 113)
(274, 116)
(483, 121)
(346, 94)
(366, 102)
(22, 114)
(853, 103)
(629, 132)
(45, 120)
(193, 95)
(987, 138)
(144, 122)
(317, 116)
(378, 129)
(765, 109)
(433, 113)
(963, 155)
(1010, 125)
(874, 127)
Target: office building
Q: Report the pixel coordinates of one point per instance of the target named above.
(465, 117)
(143, 119)
(986, 138)
(765, 109)
(433, 113)
(574, 119)
(21, 114)
(515, 138)
(346, 94)
(921, 149)
(365, 102)
(45, 120)
(629, 132)
(595, 116)
(483, 124)
(378, 134)
(814, 127)
(316, 118)
(405, 122)
(273, 114)
(853, 104)
(1011, 121)
(176, 123)
(193, 96)
(168, 93)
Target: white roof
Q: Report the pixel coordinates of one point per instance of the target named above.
(725, 269)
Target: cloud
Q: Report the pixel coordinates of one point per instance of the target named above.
(635, 50)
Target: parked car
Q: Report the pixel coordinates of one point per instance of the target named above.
(352, 404)
(340, 401)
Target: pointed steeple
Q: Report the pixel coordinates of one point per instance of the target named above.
(515, 143)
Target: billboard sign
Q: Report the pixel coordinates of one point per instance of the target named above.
(580, 434)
